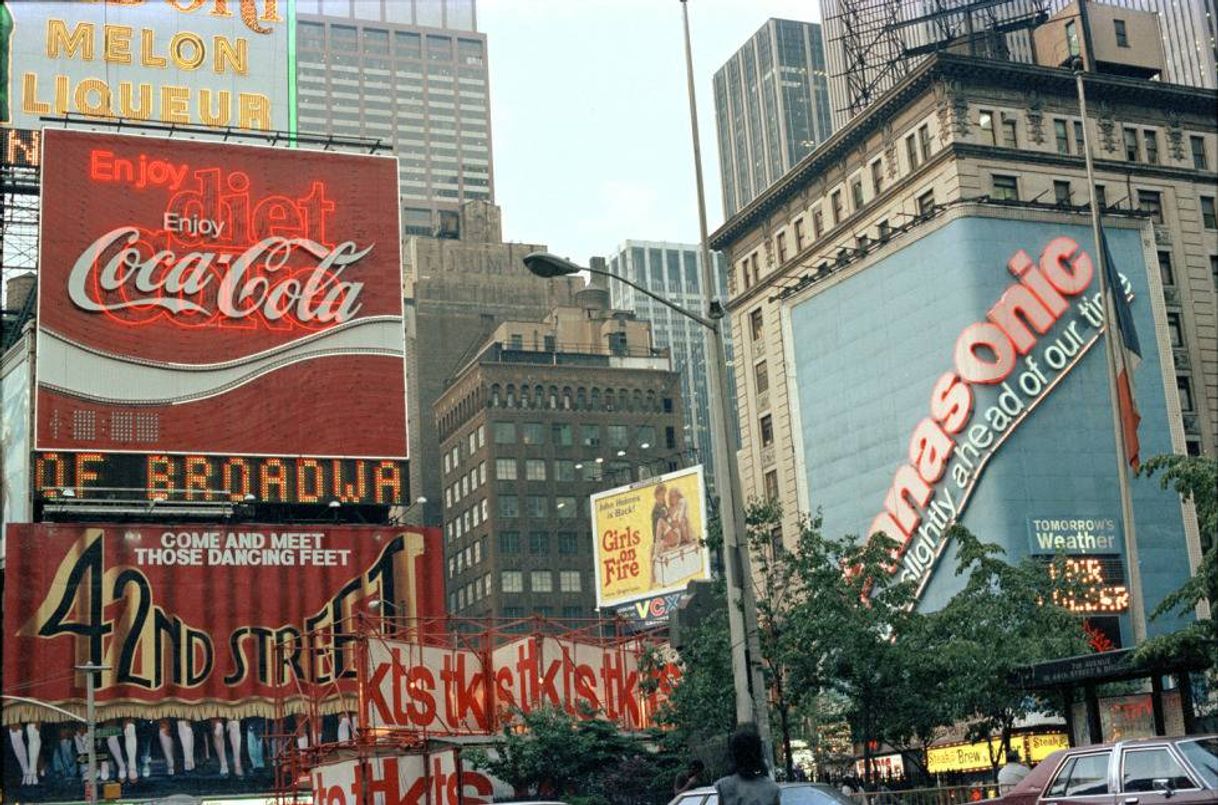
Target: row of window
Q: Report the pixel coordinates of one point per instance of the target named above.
(406, 44)
(541, 581)
(569, 543)
(562, 434)
(467, 484)
(564, 507)
(469, 557)
(1006, 188)
(579, 399)
(467, 521)
(468, 594)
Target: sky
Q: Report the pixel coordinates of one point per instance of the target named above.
(590, 117)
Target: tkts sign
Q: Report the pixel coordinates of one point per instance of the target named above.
(225, 618)
(217, 300)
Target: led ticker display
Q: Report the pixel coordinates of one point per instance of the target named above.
(1095, 585)
(206, 478)
(208, 299)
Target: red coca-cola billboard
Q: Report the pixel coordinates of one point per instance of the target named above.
(200, 298)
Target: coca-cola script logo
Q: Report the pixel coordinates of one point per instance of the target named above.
(221, 258)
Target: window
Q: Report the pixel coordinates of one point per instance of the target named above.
(1131, 145)
(1175, 330)
(539, 542)
(1072, 38)
(1081, 776)
(561, 435)
(926, 203)
(818, 223)
(564, 470)
(505, 469)
(1141, 768)
(767, 431)
(565, 507)
(1062, 133)
(1214, 269)
(532, 433)
(534, 469)
(883, 230)
(911, 151)
(1150, 138)
(1080, 143)
(1061, 192)
(780, 241)
(985, 120)
(1122, 36)
(509, 506)
(511, 581)
(535, 506)
(1166, 274)
(473, 442)
(1149, 201)
(1185, 388)
(771, 485)
(835, 202)
(1010, 134)
(1202, 753)
(592, 471)
(509, 542)
(481, 435)
(505, 432)
(856, 194)
(569, 581)
(516, 341)
(647, 436)
(800, 235)
(590, 435)
(541, 581)
(618, 435)
(877, 177)
(924, 140)
(755, 324)
(1006, 188)
(761, 377)
(1200, 160)
(1208, 216)
(1101, 196)
(568, 545)
(572, 612)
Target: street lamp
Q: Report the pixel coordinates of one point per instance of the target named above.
(742, 611)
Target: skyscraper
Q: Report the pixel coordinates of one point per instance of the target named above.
(673, 270)
(413, 74)
(771, 108)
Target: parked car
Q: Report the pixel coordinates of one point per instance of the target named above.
(1150, 771)
(792, 794)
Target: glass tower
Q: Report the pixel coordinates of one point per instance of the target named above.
(674, 271)
(771, 107)
(413, 74)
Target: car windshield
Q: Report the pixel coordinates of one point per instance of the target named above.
(810, 795)
(1203, 754)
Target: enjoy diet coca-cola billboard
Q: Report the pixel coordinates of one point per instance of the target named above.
(215, 299)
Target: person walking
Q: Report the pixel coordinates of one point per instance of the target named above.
(1014, 771)
(749, 783)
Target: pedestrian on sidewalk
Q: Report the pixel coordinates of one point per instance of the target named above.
(749, 783)
(1010, 774)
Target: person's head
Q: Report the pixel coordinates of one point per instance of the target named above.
(696, 767)
(745, 749)
(660, 492)
(1013, 756)
(674, 497)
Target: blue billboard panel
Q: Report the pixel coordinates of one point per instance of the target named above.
(963, 379)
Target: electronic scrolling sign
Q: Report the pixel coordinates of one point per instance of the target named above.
(217, 321)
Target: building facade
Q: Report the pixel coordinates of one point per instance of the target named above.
(903, 224)
(771, 107)
(674, 271)
(457, 291)
(547, 413)
(413, 75)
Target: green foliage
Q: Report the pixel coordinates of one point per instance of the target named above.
(549, 753)
(1195, 479)
(1004, 619)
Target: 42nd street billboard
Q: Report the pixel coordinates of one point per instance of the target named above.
(231, 313)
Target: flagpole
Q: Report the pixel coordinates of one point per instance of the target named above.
(1137, 611)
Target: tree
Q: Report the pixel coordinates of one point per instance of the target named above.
(1195, 479)
(1004, 619)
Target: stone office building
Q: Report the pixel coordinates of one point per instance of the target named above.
(544, 415)
(911, 219)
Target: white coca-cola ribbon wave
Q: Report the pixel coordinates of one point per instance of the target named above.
(70, 368)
